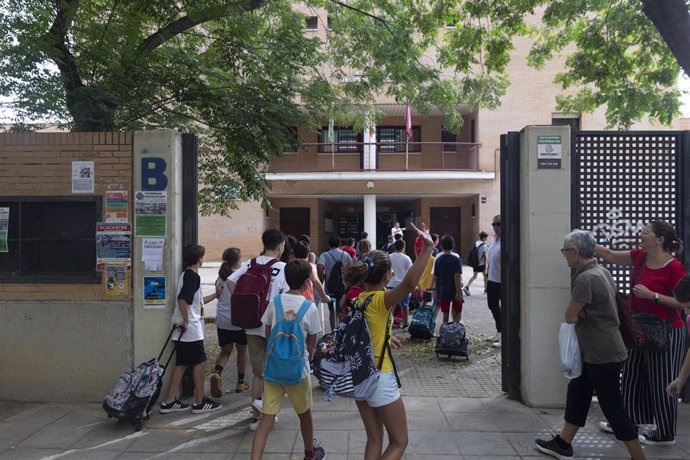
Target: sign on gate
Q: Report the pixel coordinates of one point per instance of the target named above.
(549, 152)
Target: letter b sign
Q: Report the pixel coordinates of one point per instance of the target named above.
(153, 176)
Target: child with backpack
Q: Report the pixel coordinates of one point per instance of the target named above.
(229, 336)
(385, 407)
(189, 336)
(292, 323)
(252, 286)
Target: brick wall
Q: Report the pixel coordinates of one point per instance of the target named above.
(33, 164)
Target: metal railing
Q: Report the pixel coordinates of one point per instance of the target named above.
(389, 156)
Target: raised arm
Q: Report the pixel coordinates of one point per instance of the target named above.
(395, 295)
(613, 257)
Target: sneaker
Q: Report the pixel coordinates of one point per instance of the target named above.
(173, 406)
(206, 405)
(241, 387)
(553, 449)
(494, 338)
(653, 438)
(216, 386)
(496, 344)
(605, 427)
(466, 290)
(319, 453)
(257, 404)
(254, 423)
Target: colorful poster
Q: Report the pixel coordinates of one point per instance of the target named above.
(4, 228)
(150, 213)
(116, 279)
(82, 177)
(154, 292)
(116, 206)
(113, 243)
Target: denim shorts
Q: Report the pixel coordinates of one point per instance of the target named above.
(386, 391)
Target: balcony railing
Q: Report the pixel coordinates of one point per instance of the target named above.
(390, 156)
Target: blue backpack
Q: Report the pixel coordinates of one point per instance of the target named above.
(284, 357)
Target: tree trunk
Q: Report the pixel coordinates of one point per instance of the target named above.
(672, 20)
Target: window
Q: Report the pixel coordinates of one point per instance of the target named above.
(51, 240)
(447, 136)
(390, 134)
(346, 140)
(566, 119)
(311, 23)
(329, 23)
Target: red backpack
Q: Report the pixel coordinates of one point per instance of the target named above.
(249, 299)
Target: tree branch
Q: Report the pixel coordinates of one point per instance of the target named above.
(185, 23)
(64, 59)
(672, 19)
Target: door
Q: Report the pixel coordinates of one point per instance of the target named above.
(445, 220)
(294, 221)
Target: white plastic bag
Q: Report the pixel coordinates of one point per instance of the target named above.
(571, 358)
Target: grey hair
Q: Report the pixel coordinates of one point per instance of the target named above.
(583, 241)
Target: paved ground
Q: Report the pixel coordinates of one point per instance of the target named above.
(454, 409)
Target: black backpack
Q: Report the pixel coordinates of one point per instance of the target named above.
(334, 281)
(473, 258)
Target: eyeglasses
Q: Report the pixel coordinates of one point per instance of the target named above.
(496, 224)
(564, 250)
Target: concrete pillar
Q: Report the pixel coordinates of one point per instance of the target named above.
(370, 218)
(157, 168)
(369, 150)
(545, 291)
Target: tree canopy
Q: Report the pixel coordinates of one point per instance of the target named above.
(242, 72)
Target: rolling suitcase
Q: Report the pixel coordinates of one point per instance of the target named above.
(135, 393)
(452, 340)
(423, 323)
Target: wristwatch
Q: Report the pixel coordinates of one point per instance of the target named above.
(656, 297)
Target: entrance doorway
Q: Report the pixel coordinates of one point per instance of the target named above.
(294, 221)
(445, 220)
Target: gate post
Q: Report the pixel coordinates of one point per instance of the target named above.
(545, 199)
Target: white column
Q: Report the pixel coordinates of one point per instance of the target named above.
(370, 218)
(369, 151)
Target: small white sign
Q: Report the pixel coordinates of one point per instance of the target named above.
(82, 177)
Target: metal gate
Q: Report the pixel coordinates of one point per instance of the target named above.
(622, 180)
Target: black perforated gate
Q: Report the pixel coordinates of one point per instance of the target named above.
(622, 180)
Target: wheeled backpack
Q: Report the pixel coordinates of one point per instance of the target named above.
(423, 323)
(135, 393)
(452, 340)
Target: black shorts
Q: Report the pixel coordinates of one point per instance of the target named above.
(189, 353)
(226, 337)
(479, 269)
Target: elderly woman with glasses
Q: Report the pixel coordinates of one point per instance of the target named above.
(592, 308)
(656, 272)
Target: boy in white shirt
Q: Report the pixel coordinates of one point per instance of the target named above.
(297, 273)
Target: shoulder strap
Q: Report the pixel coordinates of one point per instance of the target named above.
(387, 346)
(277, 301)
(252, 262)
(332, 256)
(272, 262)
(302, 310)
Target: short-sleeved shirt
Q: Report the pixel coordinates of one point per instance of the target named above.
(599, 331)
(189, 290)
(224, 308)
(308, 293)
(481, 250)
(350, 250)
(329, 258)
(278, 284)
(310, 324)
(377, 316)
(400, 264)
(425, 280)
(661, 280)
(493, 256)
(446, 266)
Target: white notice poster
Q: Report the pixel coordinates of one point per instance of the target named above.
(82, 176)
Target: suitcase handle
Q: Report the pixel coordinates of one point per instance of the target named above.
(165, 345)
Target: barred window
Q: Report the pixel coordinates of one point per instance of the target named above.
(345, 140)
(391, 134)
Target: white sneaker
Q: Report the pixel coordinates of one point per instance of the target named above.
(494, 338)
(496, 344)
(258, 404)
(254, 423)
(605, 427)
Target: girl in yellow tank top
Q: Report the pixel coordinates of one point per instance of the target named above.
(385, 407)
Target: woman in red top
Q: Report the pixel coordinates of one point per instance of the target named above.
(646, 373)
